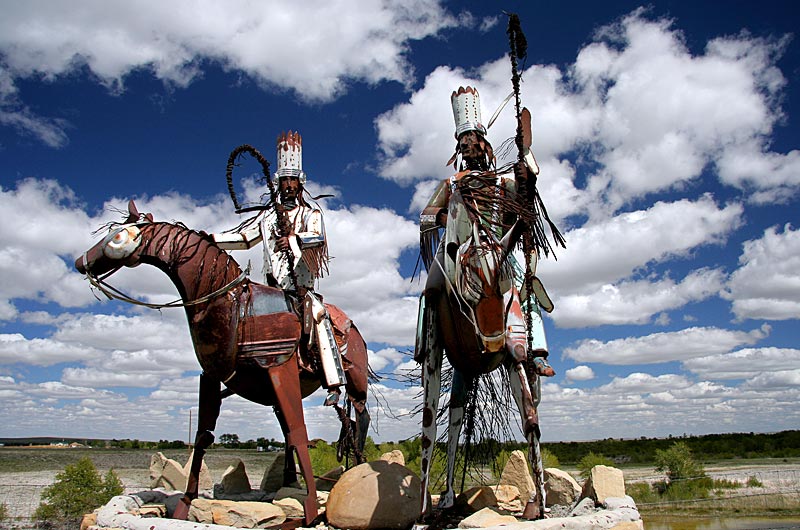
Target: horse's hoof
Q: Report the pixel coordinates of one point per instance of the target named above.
(182, 509)
(532, 511)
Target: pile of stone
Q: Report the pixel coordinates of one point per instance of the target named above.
(379, 494)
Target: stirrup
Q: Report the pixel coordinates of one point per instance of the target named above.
(333, 397)
(541, 367)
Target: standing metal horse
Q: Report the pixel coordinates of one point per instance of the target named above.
(246, 336)
(471, 311)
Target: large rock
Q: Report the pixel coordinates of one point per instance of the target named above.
(376, 494)
(272, 480)
(205, 481)
(560, 487)
(604, 482)
(235, 480)
(238, 514)
(170, 475)
(517, 473)
(476, 499)
(326, 481)
(486, 518)
(395, 456)
(166, 473)
(507, 497)
(291, 507)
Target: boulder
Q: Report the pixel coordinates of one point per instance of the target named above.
(486, 518)
(170, 475)
(584, 507)
(90, 519)
(395, 456)
(604, 482)
(235, 480)
(272, 480)
(167, 473)
(238, 514)
(628, 525)
(560, 487)
(291, 507)
(507, 497)
(476, 499)
(205, 482)
(326, 481)
(373, 495)
(517, 473)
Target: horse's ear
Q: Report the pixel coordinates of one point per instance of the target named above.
(133, 212)
(149, 217)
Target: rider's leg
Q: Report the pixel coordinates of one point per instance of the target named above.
(527, 403)
(318, 320)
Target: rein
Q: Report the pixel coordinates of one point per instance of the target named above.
(113, 293)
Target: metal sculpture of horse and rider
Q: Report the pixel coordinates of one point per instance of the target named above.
(246, 335)
(478, 307)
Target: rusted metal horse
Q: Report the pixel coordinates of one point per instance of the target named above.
(246, 336)
(471, 311)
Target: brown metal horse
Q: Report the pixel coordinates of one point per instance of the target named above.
(246, 336)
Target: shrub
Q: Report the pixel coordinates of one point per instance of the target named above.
(549, 459)
(323, 458)
(3, 511)
(78, 490)
(589, 461)
(753, 482)
(678, 462)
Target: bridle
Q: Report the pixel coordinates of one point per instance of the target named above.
(112, 293)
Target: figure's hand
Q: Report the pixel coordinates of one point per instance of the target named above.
(282, 243)
(520, 172)
(441, 218)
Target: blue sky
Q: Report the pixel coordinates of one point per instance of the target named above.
(667, 136)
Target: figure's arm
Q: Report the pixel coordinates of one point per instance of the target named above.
(239, 240)
(313, 234)
(434, 215)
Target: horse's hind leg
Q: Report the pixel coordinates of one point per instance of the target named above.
(286, 382)
(210, 401)
(521, 388)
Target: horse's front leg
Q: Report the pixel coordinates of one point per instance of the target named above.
(429, 353)
(286, 383)
(210, 402)
(458, 395)
(521, 388)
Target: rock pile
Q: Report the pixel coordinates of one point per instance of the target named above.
(379, 494)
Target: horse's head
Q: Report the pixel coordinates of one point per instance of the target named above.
(118, 248)
(478, 268)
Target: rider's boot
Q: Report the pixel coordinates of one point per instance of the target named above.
(333, 397)
(542, 367)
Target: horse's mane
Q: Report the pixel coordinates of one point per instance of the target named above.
(183, 245)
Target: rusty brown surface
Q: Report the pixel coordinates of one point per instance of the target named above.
(243, 337)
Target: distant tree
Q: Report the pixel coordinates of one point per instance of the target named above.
(77, 490)
(231, 441)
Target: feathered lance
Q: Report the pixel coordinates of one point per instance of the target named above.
(518, 50)
(282, 216)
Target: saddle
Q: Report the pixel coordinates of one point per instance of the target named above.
(270, 331)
